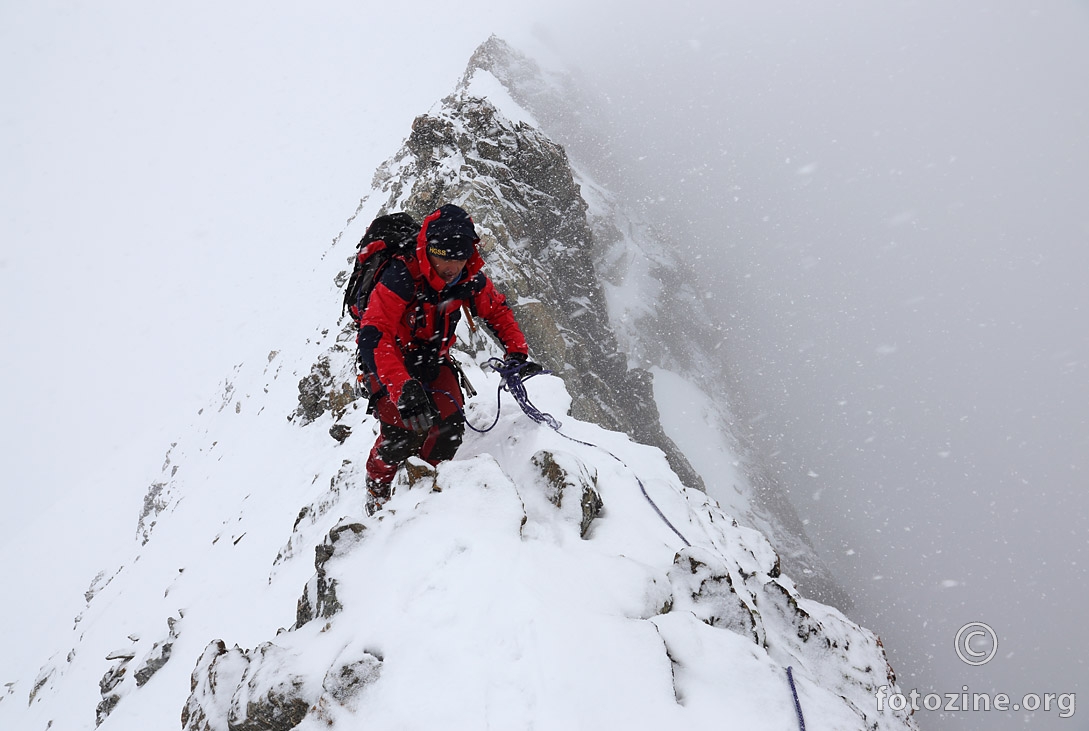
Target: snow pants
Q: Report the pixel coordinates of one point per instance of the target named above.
(396, 442)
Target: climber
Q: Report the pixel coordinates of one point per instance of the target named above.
(405, 336)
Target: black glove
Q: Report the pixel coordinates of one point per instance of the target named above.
(525, 367)
(415, 407)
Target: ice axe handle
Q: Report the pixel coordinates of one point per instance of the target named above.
(468, 317)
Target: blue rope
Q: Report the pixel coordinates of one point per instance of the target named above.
(797, 703)
(464, 416)
(511, 380)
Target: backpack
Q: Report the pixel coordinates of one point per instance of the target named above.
(386, 237)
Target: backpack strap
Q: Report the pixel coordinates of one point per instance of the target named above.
(365, 250)
(420, 288)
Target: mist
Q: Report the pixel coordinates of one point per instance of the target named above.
(889, 206)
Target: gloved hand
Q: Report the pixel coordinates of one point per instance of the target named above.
(526, 367)
(415, 407)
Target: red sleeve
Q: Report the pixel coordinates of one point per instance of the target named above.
(492, 306)
(379, 329)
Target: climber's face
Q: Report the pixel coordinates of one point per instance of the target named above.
(448, 269)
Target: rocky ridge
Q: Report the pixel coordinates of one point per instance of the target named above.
(602, 296)
(537, 240)
(645, 631)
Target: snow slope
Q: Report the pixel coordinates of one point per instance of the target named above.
(486, 605)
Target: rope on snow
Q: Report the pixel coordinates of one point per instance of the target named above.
(797, 703)
(511, 381)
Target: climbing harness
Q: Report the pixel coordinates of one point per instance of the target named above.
(513, 383)
(797, 703)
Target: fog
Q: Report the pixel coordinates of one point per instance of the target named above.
(890, 204)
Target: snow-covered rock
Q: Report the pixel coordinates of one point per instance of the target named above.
(481, 602)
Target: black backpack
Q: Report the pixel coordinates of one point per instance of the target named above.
(386, 237)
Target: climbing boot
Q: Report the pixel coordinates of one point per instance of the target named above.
(377, 495)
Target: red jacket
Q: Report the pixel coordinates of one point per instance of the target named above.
(408, 326)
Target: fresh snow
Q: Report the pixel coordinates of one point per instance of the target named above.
(486, 605)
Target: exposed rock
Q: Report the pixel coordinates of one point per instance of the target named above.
(340, 432)
(591, 506)
(158, 656)
(702, 585)
(347, 477)
(113, 677)
(565, 476)
(111, 685)
(44, 676)
(270, 697)
(345, 682)
(419, 474)
(245, 691)
(107, 685)
(327, 387)
(260, 690)
(314, 392)
(105, 708)
(97, 584)
(217, 674)
(153, 505)
(319, 598)
(157, 498)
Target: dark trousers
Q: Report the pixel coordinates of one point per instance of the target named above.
(396, 442)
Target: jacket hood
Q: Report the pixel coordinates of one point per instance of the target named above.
(446, 223)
